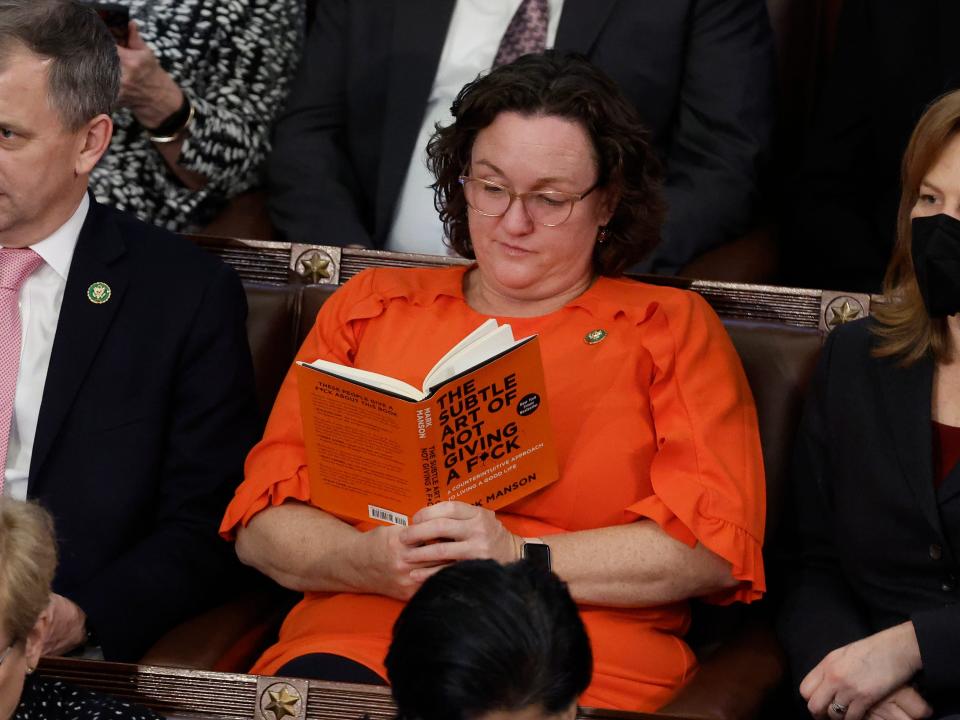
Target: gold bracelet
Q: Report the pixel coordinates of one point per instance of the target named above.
(163, 139)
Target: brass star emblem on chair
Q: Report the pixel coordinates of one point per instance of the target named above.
(843, 314)
(282, 703)
(316, 267)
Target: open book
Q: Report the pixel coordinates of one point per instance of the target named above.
(478, 430)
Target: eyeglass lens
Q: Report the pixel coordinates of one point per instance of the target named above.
(545, 208)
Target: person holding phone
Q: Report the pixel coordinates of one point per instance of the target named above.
(202, 81)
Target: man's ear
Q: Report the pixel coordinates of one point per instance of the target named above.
(95, 137)
(34, 641)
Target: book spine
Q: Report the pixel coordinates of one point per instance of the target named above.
(427, 436)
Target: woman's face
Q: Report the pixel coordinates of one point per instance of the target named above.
(940, 189)
(13, 670)
(519, 259)
(23, 655)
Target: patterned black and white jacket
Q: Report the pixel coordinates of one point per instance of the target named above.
(235, 60)
(45, 699)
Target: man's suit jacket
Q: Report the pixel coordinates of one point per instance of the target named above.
(877, 543)
(892, 59)
(699, 71)
(147, 413)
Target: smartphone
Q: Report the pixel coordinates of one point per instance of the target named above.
(117, 19)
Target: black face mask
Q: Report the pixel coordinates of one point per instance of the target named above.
(935, 248)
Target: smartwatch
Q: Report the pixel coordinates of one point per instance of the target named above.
(537, 552)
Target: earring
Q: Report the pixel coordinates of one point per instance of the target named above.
(602, 236)
(29, 670)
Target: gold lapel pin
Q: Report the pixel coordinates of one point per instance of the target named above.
(98, 293)
(594, 336)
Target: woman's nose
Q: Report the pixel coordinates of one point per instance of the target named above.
(516, 219)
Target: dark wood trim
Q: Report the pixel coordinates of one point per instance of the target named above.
(280, 263)
(180, 693)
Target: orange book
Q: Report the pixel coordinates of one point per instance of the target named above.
(478, 431)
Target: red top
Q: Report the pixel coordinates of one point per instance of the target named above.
(946, 451)
(654, 423)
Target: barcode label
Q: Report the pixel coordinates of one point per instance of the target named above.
(378, 513)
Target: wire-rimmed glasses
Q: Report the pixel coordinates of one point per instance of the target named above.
(545, 207)
(3, 655)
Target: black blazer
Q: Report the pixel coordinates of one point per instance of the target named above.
(877, 544)
(892, 59)
(700, 72)
(147, 413)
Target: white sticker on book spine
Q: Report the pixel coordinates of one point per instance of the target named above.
(378, 513)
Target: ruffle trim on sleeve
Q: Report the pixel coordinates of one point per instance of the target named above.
(252, 497)
(685, 523)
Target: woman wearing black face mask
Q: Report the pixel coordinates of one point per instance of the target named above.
(871, 621)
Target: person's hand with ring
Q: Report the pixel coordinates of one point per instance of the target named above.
(849, 681)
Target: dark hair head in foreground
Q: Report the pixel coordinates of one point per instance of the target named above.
(569, 87)
(480, 637)
(84, 75)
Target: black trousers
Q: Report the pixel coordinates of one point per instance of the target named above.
(332, 668)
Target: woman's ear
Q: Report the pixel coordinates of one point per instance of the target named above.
(34, 641)
(607, 206)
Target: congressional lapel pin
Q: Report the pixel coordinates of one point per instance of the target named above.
(98, 293)
(595, 336)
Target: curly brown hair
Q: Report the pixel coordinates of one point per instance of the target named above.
(565, 86)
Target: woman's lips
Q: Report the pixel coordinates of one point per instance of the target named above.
(514, 250)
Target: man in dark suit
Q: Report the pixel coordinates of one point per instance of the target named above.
(700, 71)
(892, 59)
(126, 398)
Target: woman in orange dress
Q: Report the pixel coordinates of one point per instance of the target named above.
(545, 179)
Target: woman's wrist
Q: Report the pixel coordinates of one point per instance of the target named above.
(907, 645)
(175, 125)
(159, 105)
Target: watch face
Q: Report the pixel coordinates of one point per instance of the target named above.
(538, 554)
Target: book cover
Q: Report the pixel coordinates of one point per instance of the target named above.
(482, 436)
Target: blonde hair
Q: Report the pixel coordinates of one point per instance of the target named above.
(904, 329)
(28, 559)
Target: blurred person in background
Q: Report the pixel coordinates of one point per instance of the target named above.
(202, 81)
(349, 160)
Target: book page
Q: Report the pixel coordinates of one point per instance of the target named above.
(492, 343)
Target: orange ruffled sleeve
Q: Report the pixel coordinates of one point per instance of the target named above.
(276, 468)
(707, 475)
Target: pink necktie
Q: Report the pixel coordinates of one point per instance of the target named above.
(527, 32)
(16, 265)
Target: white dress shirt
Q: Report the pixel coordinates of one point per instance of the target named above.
(473, 38)
(41, 296)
